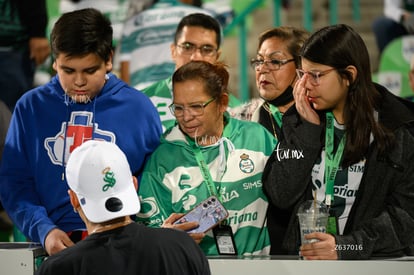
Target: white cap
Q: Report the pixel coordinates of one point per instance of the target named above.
(99, 173)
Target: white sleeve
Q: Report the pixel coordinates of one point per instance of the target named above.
(393, 9)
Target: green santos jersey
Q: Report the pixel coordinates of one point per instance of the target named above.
(160, 94)
(172, 182)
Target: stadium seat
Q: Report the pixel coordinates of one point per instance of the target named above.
(395, 65)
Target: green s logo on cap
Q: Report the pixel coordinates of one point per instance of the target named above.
(109, 178)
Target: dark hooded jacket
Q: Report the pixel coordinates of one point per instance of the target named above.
(381, 221)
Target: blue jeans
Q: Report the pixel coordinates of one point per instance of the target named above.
(16, 75)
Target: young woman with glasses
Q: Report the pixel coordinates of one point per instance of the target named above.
(208, 153)
(349, 143)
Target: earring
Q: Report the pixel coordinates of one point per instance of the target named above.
(74, 210)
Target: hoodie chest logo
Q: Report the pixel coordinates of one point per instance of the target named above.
(77, 130)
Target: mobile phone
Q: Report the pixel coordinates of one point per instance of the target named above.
(208, 214)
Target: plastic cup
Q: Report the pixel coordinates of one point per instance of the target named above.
(313, 217)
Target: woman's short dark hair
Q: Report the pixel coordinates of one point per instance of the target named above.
(214, 77)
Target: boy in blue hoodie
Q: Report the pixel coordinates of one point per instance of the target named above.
(83, 101)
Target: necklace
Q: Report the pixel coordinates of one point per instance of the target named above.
(110, 226)
(267, 108)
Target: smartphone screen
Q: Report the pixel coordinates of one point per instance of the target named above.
(208, 213)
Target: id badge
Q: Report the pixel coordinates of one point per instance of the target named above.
(223, 236)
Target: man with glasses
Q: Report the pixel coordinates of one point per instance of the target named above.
(198, 37)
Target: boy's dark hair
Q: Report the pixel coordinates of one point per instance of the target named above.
(82, 32)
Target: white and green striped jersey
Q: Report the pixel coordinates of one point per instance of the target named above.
(146, 40)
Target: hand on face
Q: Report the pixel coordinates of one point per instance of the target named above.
(303, 105)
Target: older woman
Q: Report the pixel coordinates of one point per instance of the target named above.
(275, 66)
(209, 153)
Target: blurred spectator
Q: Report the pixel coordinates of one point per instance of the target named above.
(411, 77)
(144, 53)
(23, 46)
(115, 10)
(398, 20)
(5, 116)
(6, 225)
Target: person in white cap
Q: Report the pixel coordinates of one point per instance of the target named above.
(103, 192)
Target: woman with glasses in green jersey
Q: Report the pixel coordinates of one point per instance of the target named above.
(208, 153)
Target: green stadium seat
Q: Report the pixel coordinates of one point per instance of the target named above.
(395, 65)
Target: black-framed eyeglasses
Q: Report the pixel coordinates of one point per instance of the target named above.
(196, 109)
(189, 49)
(272, 64)
(315, 75)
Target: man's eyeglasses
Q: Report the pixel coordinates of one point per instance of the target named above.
(314, 75)
(196, 109)
(189, 49)
(272, 64)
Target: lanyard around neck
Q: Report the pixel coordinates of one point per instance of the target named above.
(332, 160)
(205, 171)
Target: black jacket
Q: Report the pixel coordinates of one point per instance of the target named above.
(381, 221)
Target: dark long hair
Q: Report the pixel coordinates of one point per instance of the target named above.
(339, 46)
